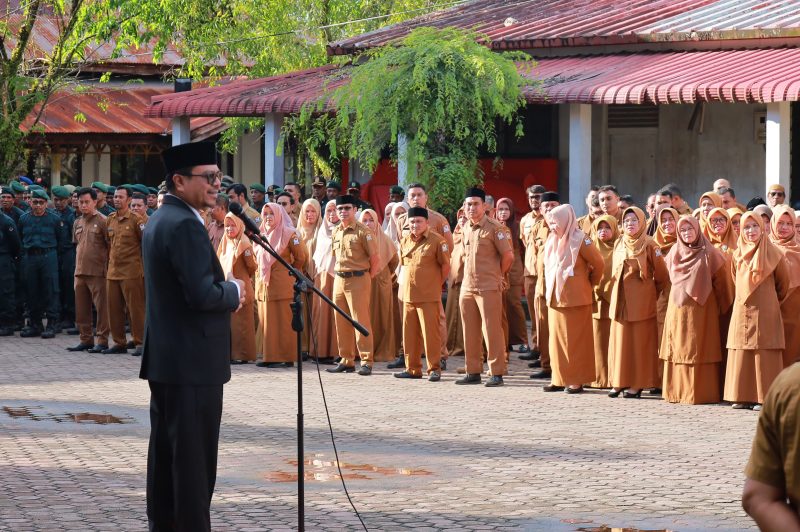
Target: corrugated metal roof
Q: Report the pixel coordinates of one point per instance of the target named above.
(527, 24)
(752, 76)
(124, 113)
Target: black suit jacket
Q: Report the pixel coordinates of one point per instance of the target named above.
(187, 334)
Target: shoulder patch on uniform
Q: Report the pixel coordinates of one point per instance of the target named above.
(296, 241)
(369, 237)
(247, 253)
(658, 252)
(587, 241)
(444, 247)
(257, 219)
(141, 227)
(445, 228)
(501, 235)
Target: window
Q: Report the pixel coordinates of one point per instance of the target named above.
(136, 168)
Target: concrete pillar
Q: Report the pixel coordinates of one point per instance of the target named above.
(181, 130)
(273, 163)
(88, 169)
(779, 143)
(580, 155)
(55, 169)
(104, 167)
(406, 173)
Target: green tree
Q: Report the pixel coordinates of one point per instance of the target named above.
(443, 91)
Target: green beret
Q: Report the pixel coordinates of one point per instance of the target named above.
(39, 193)
(110, 190)
(334, 184)
(258, 187)
(141, 189)
(152, 190)
(60, 192)
(6, 190)
(17, 187)
(99, 185)
(397, 190)
(31, 188)
(70, 188)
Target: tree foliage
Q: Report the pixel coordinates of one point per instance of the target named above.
(443, 92)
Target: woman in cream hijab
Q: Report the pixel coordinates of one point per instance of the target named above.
(385, 344)
(236, 256)
(324, 344)
(783, 235)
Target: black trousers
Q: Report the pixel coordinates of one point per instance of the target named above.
(182, 457)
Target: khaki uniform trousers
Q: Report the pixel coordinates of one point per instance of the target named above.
(352, 295)
(455, 334)
(91, 289)
(530, 297)
(543, 335)
(481, 313)
(421, 333)
(126, 295)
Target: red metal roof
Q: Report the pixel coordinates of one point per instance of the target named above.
(123, 114)
(528, 24)
(768, 75)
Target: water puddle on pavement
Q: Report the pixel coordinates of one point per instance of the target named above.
(37, 413)
(320, 470)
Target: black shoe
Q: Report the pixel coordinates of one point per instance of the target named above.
(544, 374)
(237, 362)
(443, 364)
(116, 350)
(579, 389)
(340, 368)
(138, 351)
(30, 332)
(304, 356)
(469, 378)
(73, 331)
(406, 375)
(262, 364)
(280, 365)
(7, 331)
(97, 349)
(131, 345)
(655, 391)
(326, 361)
(528, 356)
(494, 380)
(48, 333)
(365, 370)
(80, 347)
(399, 362)
(627, 395)
(435, 376)
(615, 393)
(66, 324)
(535, 364)
(552, 388)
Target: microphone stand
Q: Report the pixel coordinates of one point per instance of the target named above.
(302, 285)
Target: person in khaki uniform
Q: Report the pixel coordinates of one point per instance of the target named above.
(526, 226)
(357, 261)
(455, 329)
(771, 493)
(91, 265)
(426, 257)
(125, 278)
(487, 258)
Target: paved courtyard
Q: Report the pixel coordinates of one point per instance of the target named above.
(414, 454)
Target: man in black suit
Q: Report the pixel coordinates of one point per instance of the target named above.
(187, 343)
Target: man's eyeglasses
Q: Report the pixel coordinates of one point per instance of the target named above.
(211, 177)
(779, 194)
(535, 196)
(38, 202)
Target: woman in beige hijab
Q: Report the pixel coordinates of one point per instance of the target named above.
(665, 237)
(690, 347)
(639, 276)
(385, 343)
(309, 221)
(572, 268)
(755, 338)
(604, 235)
(275, 287)
(783, 235)
(392, 230)
(506, 214)
(324, 344)
(238, 260)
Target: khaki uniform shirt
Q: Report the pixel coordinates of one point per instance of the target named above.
(775, 457)
(252, 214)
(125, 245)
(436, 223)
(540, 233)
(91, 253)
(526, 227)
(423, 260)
(352, 247)
(485, 243)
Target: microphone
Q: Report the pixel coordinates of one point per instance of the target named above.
(250, 226)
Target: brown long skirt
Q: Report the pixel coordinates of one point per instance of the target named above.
(691, 384)
(243, 337)
(540, 309)
(571, 349)
(279, 342)
(750, 373)
(517, 328)
(633, 354)
(323, 343)
(790, 312)
(385, 343)
(455, 332)
(602, 330)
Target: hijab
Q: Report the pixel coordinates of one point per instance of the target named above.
(386, 248)
(788, 246)
(756, 259)
(606, 250)
(324, 260)
(662, 239)
(512, 222)
(306, 231)
(692, 265)
(387, 215)
(561, 249)
(632, 246)
(763, 209)
(278, 237)
(726, 242)
(393, 228)
(231, 249)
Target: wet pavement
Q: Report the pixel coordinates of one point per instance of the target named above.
(414, 454)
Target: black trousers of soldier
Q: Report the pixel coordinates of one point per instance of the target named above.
(182, 457)
(8, 291)
(41, 287)
(66, 276)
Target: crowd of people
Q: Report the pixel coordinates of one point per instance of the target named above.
(698, 305)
